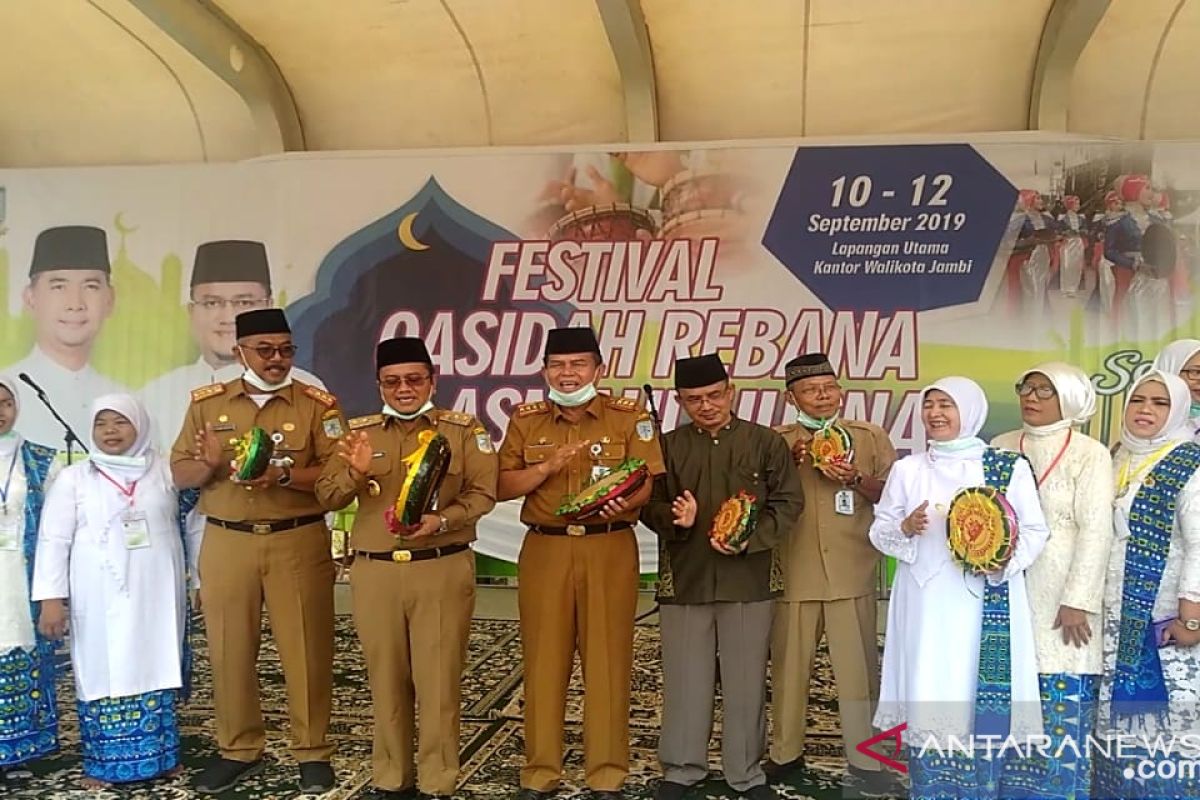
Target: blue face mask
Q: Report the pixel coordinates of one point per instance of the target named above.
(814, 424)
(579, 397)
(1195, 410)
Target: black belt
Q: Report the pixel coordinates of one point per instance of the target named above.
(403, 556)
(268, 527)
(580, 530)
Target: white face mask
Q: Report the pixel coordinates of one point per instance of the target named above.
(251, 377)
(388, 411)
(579, 397)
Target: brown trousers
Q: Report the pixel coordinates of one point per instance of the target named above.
(577, 592)
(293, 572)
(849, 625)
(413, 621)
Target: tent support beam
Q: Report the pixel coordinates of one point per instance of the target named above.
(1069, 26)
(231, 54)
(625, 26)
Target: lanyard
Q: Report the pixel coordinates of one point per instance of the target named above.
(127, 491)
(1125, 477)
(12, 467)
(1039, 481)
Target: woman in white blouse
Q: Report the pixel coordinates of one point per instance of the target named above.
(110, 543)
(28, 712)
(1150, 692)
(942, 662)
(1066, 582)
(1182, 357)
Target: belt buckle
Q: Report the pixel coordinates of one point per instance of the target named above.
(261, 528)
(401, 556)
(576, 530)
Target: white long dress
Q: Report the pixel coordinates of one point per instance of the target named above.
(931, 650)
(1077, 501)
(127, 605)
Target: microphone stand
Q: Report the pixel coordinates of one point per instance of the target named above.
(69, 437)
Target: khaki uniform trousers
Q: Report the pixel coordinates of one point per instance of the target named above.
(577, 592)
(293, 572)
(413, 620)
(849, 626)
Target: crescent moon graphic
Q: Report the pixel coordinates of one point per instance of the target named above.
(120, 225)
(405, 232)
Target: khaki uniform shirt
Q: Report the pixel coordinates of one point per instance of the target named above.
(468, 490)
(305, 423)
(829, 556)
(743, 456)
(617, 427)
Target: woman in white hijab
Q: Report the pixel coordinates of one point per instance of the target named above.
(110, 543)
(28, 715)
(945, 674)
(1182, 357)
(1066, 583)
(1150, 690)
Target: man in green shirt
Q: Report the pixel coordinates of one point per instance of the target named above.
(716, 598)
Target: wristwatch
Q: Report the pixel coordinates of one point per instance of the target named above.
(445, 524)
(286, 477)
(1191, 624)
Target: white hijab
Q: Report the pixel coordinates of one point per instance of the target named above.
(972, 407)
(1176, 429)
(134, 462)
(1076, 396)
(10, 441)
(1175, 355)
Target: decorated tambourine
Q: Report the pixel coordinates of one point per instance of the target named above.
(981, 530)
(830, 445)
(621, 481)
(252, 454)
(425, 469)
(734, 521)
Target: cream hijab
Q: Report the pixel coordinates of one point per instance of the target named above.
(1176, 428)
(1076, 396)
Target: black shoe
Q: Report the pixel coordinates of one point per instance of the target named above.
(669, 790)
(873, 783)
(778, 773)
(763, 791)
(393, 794)
(533, 794)
(424, 796)
(607, 794)
(225, 773)
(316, 777)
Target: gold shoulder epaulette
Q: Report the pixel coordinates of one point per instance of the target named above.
(455, 417)
(321, 396)
(365, 422)
(529, 409)
(623, 404)
(205, 392)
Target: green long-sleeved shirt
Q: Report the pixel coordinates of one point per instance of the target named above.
(742, 455)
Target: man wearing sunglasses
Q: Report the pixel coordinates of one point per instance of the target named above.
(414, 587)
(229, 276)
(265, 541)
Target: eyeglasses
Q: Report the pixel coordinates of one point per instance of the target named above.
(1190, 374)
(267, 351)
(239, 304)
(393, 382)
(1043, 392)
(819, 389)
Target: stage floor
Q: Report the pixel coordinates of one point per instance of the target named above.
(491, 730)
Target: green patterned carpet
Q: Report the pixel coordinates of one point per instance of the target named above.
(491, 730)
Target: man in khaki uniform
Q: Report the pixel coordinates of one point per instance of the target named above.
(265, 540)
(577, 582)
(414, 590)
(830, 574)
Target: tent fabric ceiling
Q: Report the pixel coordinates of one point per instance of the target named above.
(96, 82)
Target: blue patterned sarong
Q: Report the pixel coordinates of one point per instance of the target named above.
(1064, 770)
(128, 739)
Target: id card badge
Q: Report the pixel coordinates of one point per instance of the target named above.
(843, 502)
(137, 531)
(9, 533)
(598, 472)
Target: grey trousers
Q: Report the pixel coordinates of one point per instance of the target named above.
(694, 638)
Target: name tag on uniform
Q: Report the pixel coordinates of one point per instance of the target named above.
(8, 533)
(136, 530)
(843, 502)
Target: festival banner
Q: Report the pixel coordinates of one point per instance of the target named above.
(903, 262)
